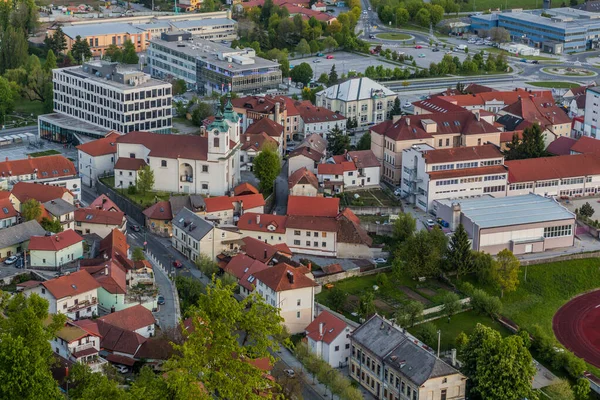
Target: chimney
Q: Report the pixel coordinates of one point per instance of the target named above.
(453, 359)
(477, 115)
(257, 219)
(309, 266)
(290, 276)
(265, 254)
(106, 269)
(57, 238)
(320, 329)
(407, 121)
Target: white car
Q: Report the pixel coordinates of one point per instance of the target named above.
(290, 373)
(11, 260)
(380, 260)
(122, 369)
(406, 104)
(369, 8)
(398, 192)
(430, 223)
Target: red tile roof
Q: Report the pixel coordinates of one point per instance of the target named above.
(102, 202)
(56, 242)
(586, 144)
(506, 137)
(458, 173)
(335, 169)
(159, 211)
(364, 158)
(244, 188)
(332, 269)
(538, 110)
(306, 152)
(546, 168)
(101, 147)
(131, 319)
(95, 216)
(170, 146)
(45, 167)
(115, 243)
(266, 125)
(278, 278)
(262, 222)
(42, 193)
(325, 328)
(71, 285)
(220, 203)
(258, 104)
(311, 114)
(113, 338)
(289, 104)
(325, 224)
(261, 251)
(437, 104)
(313, 206)
(257, 141)
(110, 275)
(349, 229)
(561, 146)
(130, 164)
(303, 176)
(243, 268)
(7, 210)
(506, 97)
(462, 154)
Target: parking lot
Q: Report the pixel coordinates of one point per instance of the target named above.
(343, 62)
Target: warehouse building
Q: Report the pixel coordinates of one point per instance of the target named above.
(522, 224)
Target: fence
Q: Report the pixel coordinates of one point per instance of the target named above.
(375, 210)
(130, 209)
(323, 280)
(566, 257)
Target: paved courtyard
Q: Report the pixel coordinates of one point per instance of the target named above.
(19, 151)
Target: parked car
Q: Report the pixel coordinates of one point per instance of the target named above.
(371, 36)
(430, 223)
(330, 57)
(369, 8)
(535, 62)
(435, 50)
(290, 373)
(11, 260)
(135, 228)
(177, 264)
(422, 55)
(524, 60)
(320, 54)
(406, 105)
(122, 369)
(418, 46)
(316, 61)
(160, 300)
(380, 260)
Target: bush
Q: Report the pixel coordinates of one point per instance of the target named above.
(383, 280)
(574, 365)
(483, 303)
(467, 288)
(427, 333)
(132, 189)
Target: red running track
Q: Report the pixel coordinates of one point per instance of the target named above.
(577, 326)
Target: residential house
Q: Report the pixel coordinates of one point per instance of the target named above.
(429, 174)
(351, 170)
(8, 214)
(119, 344)
(309, 154)
(55, 251)
(273, 129)
(584, 145)
(577, 106)
(102, 202)
(561, 146)
(311, 226)
(100, 222)
(226, 210)
(252, 145)
(443, 130)
(244, 188)
(158, 218)
(269, 254)
(75, 295)
(303, 183)
(255, 108)
(136, 319)
(353, 241)
(328, 338)
(97, 158)
(243, 268)
(61, 210)
(319, 120)
(268, 228)
(14, 239)
(194, 235)
(390, 364)
(77, 345)
(290, 290)
(359, 98)
(24, 191)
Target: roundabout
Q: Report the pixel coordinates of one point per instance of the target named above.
(573, 72)
(577, 326)
(397, 36)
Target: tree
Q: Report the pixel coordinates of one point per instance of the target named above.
(201, 111)
(291, 386)
(13, 49)
(333, 77)
(409, 314)
(483, 265)
(50, 62)
(226, 334)
(206, 265)
(323, 78)
(81, 50)
(366, 305)
(485, 304)
(179, 86)
(498, 368)
(8, 95)
(85, 384)
(581, 389)
(404, 227)
(364, 143)
(402, 16)
(459, 256)
(113, 53)
(26, 355)
(57, 42)
(422, 253)
(427, 333)
(531, 146)
(314, 46)
(267, 166)
(423, 17)
(451, 303)
(302, 73)
(329, 43)
(337, 298)
(129, 54)
(573, 3)
(145, 179)
(586, 210)
(560, 390)
(51, 225)
(149, 386)
(397, 109)
(506, 271)
(31, 209)
(499, 35)
(337, 141)
(138, 254)
(303, 47)
(189, 290)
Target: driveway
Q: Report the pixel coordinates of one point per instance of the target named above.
(281, 190)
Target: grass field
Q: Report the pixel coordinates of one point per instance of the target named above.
(143, 201)
(43, 153)
(369, 198)
(484, 5)
(394, 36)
(29, 107)
(554, 84)
(496, 50)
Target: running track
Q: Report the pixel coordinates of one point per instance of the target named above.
(577, 326)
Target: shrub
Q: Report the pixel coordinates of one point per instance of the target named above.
(483, 303)
(132, 189)
(427, 333)
(383, 280)
(467, 288)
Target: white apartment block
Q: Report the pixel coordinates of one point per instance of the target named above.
(430, 174)
(352, 170)
(592, 112)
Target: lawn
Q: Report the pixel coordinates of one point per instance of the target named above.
(485, 5)
(496, 50)
(463, 322)
(43, 153)
(394, 36)
(142, 200)
(554, 84)
(29, 107)
(369, 198)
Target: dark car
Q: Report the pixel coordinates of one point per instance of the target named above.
(160, 300)
(535, 62)
(177, 264)
(135, 228)
(435, 49)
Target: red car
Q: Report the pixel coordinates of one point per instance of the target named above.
(418, 46)
(329, 57)
(177, 264)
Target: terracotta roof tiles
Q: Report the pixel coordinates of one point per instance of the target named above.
(159, 211)
(55, 242)
(54, 166)
(547, 168)
(303, 176)
(170, 146)
(104, 203)
(71, 285)
(131, 319)
(262, 222)
(325, 328)
(130, 164)
(462, 154)
(42, 193)
(96, 216)
(266, 125)
(100, 147)
(244, 188)
(586, 144)
(220, 203)
(313, 206)
(283, 277)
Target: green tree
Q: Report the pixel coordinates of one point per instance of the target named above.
(329, 43)
(573, 3)
(323, 78)
(423, 17)
(302, 73)
(31, 209)
(138, 254)
(303, 47)
(586, 210)
(51, 225)
(366, 305)
(459, 256)
(189, 290)
(114, 53)
(267, 166)
(145, 179)
(498, 368)
(87, 385)
(409, 314)
(25, 351)
(226, 334)
(364, 143)
(179, 86)
(206, 265)
(560, 390)
(581, 389)
(8, 94)
(13, 49)
(314, 46)
(81, 50)
(451, 303)
(337, 141)
(333, 76)
(402, 16)
(50, 62)
(506, 271)
(422, 253)
(337, 298)
(485, 304)
(531, 146)
(201, 111)
(38, 80)
(149, 386)
(483, 266)
(397, 109)
(427, 333)
(57, 42)
(129, 54)
(404, 227)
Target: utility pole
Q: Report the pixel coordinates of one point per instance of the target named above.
(439, 332)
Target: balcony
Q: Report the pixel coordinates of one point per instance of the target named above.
(95, 363)
(82, 347)
(83, 304)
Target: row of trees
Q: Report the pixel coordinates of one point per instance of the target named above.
(400, 13)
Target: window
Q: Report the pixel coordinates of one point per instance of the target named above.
(316, 234)
(163, 163)
(296, 233)
(445, 380)
(337, 348)
(298, 302)
(44, 260)
(205, 186)
(558, 231)
(131, 155)
(130, 173)
(298, 314)
(323, 234)
(308, 243)
(216, 142)
(205, 168)
(323, 244)
(44, 289)
(347, 346)
(296, 243)
(308, 234)
(121, 173)
(443, 396)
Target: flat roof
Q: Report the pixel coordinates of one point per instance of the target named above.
(202, 22)
(490, 212)
(79, 72)
(99, 29)
(68, 122)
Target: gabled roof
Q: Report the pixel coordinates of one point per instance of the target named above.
(96, 216)
(115, 243)
(130, 164)
(335, 169)
(586, 144)
(7, 210)
(262, 222)
(303, 176)
(110, 274)
(546, 168)
(159, 211)
(266, 125)
(330, 329)
(71, 285)
(437, 104)
(261, 251)
(538, 110)
(112, 338)
(350, 230)
(356, 89)
(307, 152)
(192, 147)
(131, 319)
(256, 141)
(462, 154)
(193, 202)
(192, 224)
(100, 147)
(243, 268)
(561, 146)
(102, 202)
(311, 114)
(55, 242)
(244, 188)
(363, 158)
(46, 167)
(58, 207)
(259, 104)
(279, 278)
(221, 203)
(20, 233)
(313, 206)
(42, 193)
(315, 142)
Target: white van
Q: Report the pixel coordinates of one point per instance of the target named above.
(460, 47)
